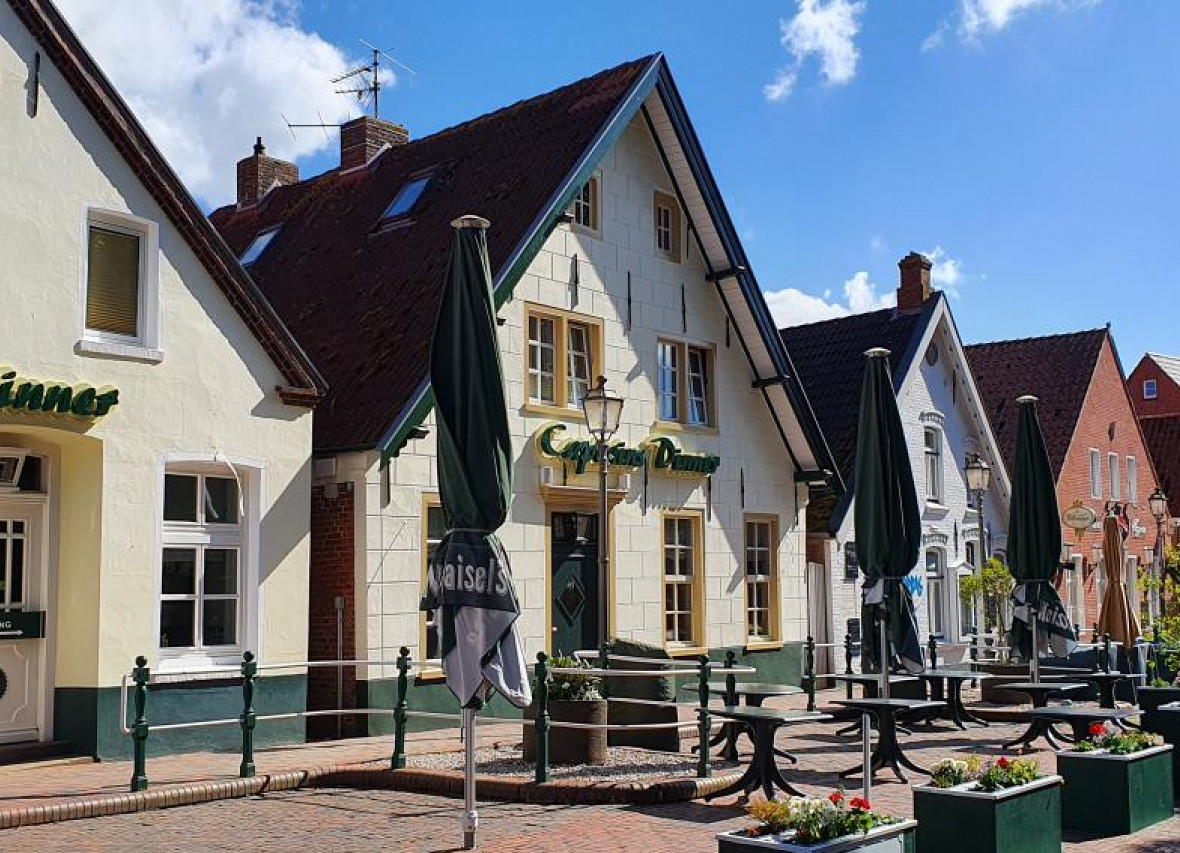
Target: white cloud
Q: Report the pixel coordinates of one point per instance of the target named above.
(825, 29)
(946, 273)
(793, 307)
(207, 76)
(979, 18)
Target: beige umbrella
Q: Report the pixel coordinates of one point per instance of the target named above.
(1117, 618)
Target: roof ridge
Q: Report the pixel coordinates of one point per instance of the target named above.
(1075, 334)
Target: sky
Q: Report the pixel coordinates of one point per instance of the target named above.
(1029, 147)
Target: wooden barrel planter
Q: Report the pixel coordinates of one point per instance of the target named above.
(570, 746)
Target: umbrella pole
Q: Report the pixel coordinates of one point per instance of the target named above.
(1034, 662)
(884, 652)
(470, 819)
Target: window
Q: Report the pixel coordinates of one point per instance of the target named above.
(406, 197)
(684, 385)
(1095, 474)
(434, 525)
(932, 439)
(201, 587)
(120, 280)
(1149, 389)
(585, 206)
(1132, 481)
(935, 592)
(761, 580)
(683, 581)
(562, 357)
(1112, 463)
(258, 246)
(667, 226)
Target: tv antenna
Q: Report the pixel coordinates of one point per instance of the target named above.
(368, 79)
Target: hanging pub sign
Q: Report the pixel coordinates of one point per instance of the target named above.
(661, 452)
(79, 400)
(1079, 517)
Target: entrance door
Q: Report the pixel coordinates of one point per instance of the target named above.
(574, 561)
(20, 659)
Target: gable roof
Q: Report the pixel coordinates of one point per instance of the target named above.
(304, 386)
(1169, 364)
(363, 300)
(1057, 369)
(1162, 436)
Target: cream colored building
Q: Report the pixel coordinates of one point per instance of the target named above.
(155, 420)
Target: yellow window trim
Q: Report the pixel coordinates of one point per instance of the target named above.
(429, 499)
(681, 423)
(775, 638)
(698, 584)
(561, 407)
(764, 646)
(685, 651)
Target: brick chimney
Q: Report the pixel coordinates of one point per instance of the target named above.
(914, 289)
(258, 173)
(362, 138)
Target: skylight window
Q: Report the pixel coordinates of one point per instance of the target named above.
(406, 198)
(258, 246)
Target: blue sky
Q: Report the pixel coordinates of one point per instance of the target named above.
(1032, 144)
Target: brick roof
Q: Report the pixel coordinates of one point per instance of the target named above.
(1163, 443)
(305, 385)
(362, 300)
(1057, 369)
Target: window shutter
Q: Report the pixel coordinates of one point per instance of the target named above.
(112, 282)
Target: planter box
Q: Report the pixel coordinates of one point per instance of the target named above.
(1168, 718)
(1116, 794)
(892, 838)
(1149, 700)
(569, 746)
(1026, 819)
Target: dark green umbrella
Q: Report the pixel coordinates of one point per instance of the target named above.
(1034, 546)
(888, 525)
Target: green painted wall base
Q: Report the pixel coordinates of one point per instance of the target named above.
(1110, 795)
(88, 717)
(1027, 822)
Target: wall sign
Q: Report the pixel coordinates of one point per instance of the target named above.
(78, 400)
(661, 452)
(22, 624)
(1079, 517)
(851, 567)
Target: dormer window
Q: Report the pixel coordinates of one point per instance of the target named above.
(406, 198)
(258, 246)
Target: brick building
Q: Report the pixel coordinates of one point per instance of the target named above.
(1095, 444)
(1154, 385)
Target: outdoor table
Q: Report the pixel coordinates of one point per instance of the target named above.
(954, 679)
(1040, 692)
(1104, 681)
(871, 682)
(887, 752)
(755, 693)
(762, 771)
(1080, 717)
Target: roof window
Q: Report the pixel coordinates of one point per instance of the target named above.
(258, 246)
(406, 197)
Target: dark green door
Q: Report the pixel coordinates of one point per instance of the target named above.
(574, 554)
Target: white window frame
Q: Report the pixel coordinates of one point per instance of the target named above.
(668, 372)
(573, 391)
(932, 463)
(250, 476)
(1095, 473)
(693, 581)
(1116, 480)
(1132, 481)
(936, 589)
(1154, 389)
(537, 344)
(593, 204)
(766, 557)
(429, 502)
(693, 399)
(145, 345)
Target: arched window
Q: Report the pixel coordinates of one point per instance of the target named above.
(936, 592)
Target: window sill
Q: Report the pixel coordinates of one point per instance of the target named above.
(677, 426)
(548, 410)
(935, 506)
(129, 352)
(685, 651)
(585, 231)
(763, 645)
(430, 676)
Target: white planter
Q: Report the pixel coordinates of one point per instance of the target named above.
(889, 838)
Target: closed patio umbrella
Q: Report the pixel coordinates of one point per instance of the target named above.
(1117, 618)
(1034, 547)
(469, 581)
(888, 525)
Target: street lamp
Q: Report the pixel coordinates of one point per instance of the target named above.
(979, 480)
(1158, 504)
(603, 412)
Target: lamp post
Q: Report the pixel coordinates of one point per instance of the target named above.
(979, 480)
(1158, 504)
(603, 412)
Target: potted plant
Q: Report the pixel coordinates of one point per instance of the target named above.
(572, 699)
(1006, 806)
(1116, 782)
(831, 824)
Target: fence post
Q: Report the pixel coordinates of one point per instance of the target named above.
(731, 697)
(139, 729)
(1106, 652)
(704, 766)
(848, 665)
(975, 647)
(604, 663)
(248, 718)
(932, 647)
(541, 728)
(1094, 634)
(398, 761)
(809, 671)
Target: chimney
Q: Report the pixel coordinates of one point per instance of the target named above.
(258, 173)
(915, 288)
(362, 138)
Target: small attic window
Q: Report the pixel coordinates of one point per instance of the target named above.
(258, 246)
(406, 197)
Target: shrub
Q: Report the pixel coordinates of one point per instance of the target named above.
(815, 819)
(1110, 739)
(569, 687)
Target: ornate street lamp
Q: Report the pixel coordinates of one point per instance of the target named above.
(1158, 504)
(979, 480)
(603, 412)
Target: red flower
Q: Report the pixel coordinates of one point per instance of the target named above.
(836, 797)
(1097, 730)
(860, 803)
(1003, 763)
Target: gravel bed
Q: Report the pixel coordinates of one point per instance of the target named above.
(623, 764)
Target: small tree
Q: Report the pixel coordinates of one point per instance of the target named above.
(994, 583)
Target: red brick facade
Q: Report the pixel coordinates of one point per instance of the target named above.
(332, 576)
(1107, 424)
(1167, 392)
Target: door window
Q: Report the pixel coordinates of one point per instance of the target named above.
(13, 550)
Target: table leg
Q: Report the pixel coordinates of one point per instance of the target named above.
(1105, 693)
(1034, 731)
(887, 752)
(960, 710)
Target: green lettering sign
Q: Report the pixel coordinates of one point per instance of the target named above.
(661, 452)
(80, 400)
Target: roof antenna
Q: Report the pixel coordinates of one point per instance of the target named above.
(369, 79)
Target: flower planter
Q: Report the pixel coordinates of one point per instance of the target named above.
(1109, 794)
(1168, 718)
(1150, 699)
(889, 838)
(1024, 819)
(570, 746)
